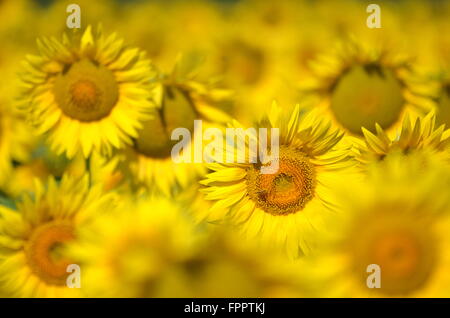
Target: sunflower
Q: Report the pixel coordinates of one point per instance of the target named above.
(360, 85)
(159, 252)
(42, 163)
(423, 135)
(33, 237)
(87, 93)
(286, 207)
(397, 220)
(181, 100)
(15, 141)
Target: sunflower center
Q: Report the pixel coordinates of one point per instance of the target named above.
(85, 94)
(43, 252)
(177, 111)
(86, 91)
(443, 112)
(406, 258)
(286, 191)
(283, 183)
(366, 95)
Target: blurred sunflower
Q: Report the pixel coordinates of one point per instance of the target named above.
(181, 100)
(87, 93)
(252, 63)
(399, 221)
(151, 37)
(284, 208)
(15, 141)
(33, 262)
(360, 85)
(422, 136)
(159, 252)
(42, 163)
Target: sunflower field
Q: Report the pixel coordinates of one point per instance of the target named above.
(94, 203)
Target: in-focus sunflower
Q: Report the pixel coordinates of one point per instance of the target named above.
(423, 135)
(181, 100)
(33, 262)
(157, 251)
(87, 93)
(360, 85)
(284, 208)
(397, 219)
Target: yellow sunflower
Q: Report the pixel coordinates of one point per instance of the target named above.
(423, 135)
(151, 248)
(359, 85)
(87, 92)
(181, 100)
(33, 262)
(284, 208)
(42, 164)
(393, 240)
(15, 141)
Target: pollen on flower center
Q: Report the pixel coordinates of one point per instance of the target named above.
(288, 190)
(43, 254)
(366, 95)
(283, 183)
(86, 91)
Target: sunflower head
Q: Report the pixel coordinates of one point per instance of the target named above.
(42, 252)
(361, 86)
(35, 235)
(405, 249)
(88, 92)
(181, 99)
(396, 221)
(177, 109)
(286, 191)
(259, 202)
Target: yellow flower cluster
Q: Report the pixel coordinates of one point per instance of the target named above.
(93, 202)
